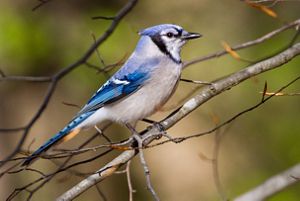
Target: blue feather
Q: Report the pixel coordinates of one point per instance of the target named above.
(115, 89)
(57, 137)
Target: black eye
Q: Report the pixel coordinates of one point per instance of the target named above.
(170, 35)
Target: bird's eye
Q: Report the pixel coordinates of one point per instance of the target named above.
(170, 35)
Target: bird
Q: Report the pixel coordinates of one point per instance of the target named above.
(137, 90)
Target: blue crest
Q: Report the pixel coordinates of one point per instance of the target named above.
(151, 31)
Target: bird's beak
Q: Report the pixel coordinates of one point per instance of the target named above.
(190, 35)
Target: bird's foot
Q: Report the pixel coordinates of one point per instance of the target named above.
(163, 133)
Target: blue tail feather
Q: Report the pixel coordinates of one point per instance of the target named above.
(57, 137)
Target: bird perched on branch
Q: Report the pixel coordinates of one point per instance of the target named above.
(142, 85)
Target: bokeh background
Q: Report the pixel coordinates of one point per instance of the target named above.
(257, 145)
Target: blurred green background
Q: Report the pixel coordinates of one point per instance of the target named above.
(257, 145)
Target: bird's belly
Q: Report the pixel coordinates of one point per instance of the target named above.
(146, 100)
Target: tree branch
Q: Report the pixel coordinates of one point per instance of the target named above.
(272, 185)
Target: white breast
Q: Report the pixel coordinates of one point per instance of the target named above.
(154, 93)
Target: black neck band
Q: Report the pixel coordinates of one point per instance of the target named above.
(161, 45)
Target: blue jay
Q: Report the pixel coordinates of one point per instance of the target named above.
(139, 88)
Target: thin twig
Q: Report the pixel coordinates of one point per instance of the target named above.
(8, 130)
(25, 78)
(130, 188)
(41, 3)
(146, 169)
(140, 141)
(103, 18)
(281, 94)
(102, 195)
(97, 51)
(196, 81)
(215, 162)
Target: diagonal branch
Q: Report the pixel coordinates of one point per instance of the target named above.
(204, 95)
(272, 185)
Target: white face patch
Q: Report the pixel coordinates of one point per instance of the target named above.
(172, 41)
(174, 48)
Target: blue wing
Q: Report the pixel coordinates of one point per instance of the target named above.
(115, 89)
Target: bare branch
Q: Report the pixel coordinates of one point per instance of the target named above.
(272, 185)
(145, 166)
(195, 81)
(215, 162)
(40, 4)
(282, 94)
(130, 188)
(8, 130)
(101, 193)
(25, 78)
(103, 18)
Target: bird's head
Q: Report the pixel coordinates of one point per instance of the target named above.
(169, 38)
